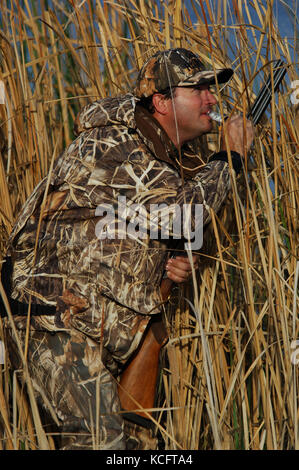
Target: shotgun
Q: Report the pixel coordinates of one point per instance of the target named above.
(139, 378)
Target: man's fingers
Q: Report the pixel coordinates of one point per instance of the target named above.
(236, 135)
(183, 263)
(177, 275)
(175, 278)
(179, 269)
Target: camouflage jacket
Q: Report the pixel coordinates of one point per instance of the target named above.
(119, 151)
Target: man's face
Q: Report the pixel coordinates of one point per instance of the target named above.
(188, 112)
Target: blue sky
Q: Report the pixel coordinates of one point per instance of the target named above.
(285, 13)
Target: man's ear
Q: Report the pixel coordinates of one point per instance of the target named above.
(160, 103)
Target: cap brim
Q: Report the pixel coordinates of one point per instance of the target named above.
(207, 77)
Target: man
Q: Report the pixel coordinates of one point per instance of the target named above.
(92, 284)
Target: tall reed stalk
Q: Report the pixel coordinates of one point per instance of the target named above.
(230, 375)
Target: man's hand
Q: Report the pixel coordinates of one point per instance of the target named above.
(179, 268)
(238, 140)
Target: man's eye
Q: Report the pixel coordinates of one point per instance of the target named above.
(199, 89)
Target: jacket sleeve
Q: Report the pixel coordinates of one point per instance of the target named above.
(143, 186)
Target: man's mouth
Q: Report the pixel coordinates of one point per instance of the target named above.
(207, 115)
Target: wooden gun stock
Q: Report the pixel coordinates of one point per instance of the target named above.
(139, 379)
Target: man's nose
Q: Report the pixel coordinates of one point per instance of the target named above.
(211, 98)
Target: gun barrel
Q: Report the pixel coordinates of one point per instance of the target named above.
(264, 96)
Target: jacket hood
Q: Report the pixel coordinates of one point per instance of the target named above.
(105, 112)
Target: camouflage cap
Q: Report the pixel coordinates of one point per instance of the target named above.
(175, 67)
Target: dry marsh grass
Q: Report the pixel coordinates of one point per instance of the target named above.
(231, 376)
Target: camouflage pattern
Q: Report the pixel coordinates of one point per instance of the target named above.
(105, 291)
(74, 388)
(139, 438)
(175, 67)
(72, 266)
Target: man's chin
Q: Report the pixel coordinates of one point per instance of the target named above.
(207, 127)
